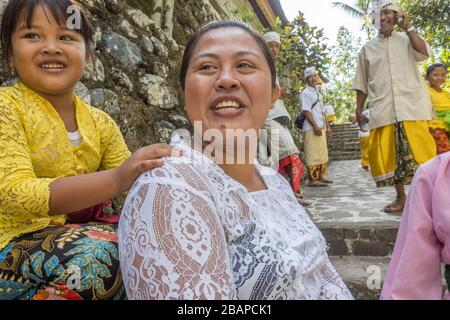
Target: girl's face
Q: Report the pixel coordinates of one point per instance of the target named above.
(48, 57)
(228, 81)
(436, 78)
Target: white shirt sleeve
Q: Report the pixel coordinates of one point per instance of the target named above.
(361, 77)
(418, 56)
(333, 288)
(307, 100)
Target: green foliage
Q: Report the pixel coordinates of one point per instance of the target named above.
(339, 91)
(432, 20)
(245, 14)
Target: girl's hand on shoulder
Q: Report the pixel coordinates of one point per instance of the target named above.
(143, 159)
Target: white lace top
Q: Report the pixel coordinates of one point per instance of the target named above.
(189, 231)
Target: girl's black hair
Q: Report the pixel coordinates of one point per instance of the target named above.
(192, 43)
(18, 11)
(434, 66)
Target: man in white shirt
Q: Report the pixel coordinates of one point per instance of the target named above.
(315, 128)
(286, 158)
(399, 105)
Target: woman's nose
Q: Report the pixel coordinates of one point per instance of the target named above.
(227, 80)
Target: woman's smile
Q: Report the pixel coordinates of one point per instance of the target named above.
(227, 106)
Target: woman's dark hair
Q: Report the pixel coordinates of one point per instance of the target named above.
(434, 66)
(192, 43)
(18, 11)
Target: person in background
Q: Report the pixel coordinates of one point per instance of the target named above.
(315, 128)
(331, 116)
(287, 156)
(440, 98)
(387, 75)
(363, 136)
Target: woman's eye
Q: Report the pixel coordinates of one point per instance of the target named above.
(245, 65)
(206, 67)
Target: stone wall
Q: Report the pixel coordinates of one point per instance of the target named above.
(135, 75)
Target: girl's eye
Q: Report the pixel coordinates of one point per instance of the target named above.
(66, 38)
(31, 36)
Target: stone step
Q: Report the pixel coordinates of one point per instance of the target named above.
(363, 239)
(344, 155)
(363, 275)
(340, 128)
(345, 135)
(337, 158)
(338, 149)
(344, 127)
(346, 147)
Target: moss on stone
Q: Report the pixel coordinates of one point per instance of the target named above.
(145, 6)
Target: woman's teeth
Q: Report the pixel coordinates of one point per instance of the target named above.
(227, 105)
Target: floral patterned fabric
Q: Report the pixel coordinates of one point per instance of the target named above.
(70, 262)
(406, 166)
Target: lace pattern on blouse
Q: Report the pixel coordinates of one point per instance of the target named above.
(188, 231)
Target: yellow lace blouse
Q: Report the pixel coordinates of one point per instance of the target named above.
(35, 150)
(440, 101)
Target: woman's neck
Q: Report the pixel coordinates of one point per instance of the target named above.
(245, 174)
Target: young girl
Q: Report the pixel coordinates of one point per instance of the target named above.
(440, 98)
(57, 156)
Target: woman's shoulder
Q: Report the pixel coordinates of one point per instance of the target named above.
(176, 172)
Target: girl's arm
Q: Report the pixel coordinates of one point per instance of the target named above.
(71, 194)
(22, 192)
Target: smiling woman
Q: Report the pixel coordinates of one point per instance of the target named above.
(196, 228)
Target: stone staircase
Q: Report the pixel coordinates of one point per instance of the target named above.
(360, 236)
(344, 145)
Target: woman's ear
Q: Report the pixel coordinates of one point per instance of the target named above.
(276, 92)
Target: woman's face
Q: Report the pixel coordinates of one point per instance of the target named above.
(228, 82)
(436, 78)
(48, 58)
